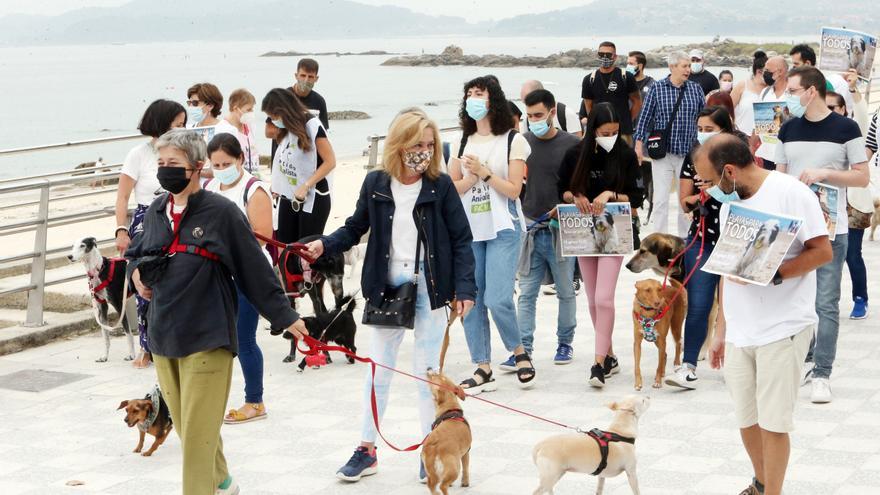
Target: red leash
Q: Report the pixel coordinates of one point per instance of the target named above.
(316, 346)
(298, 248)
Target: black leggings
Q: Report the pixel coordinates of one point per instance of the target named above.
(294, 225)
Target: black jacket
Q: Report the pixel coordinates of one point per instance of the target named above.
(194, 306)
(449, 267)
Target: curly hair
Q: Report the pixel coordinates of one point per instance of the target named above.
(499, 114)
(283, 103)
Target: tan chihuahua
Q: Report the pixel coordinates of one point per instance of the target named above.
(446, 450)
(601, 453)
(151, 415)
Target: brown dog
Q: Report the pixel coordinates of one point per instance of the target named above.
(875, 217)
(650, 300)
(151, 415)
(446, 450)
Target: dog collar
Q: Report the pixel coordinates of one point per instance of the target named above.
(155, 396)
(645, 306)
(648, 326)
(450, 415)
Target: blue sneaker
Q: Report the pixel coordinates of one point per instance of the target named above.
(423, 476)
(564, 354)
(509, 365)
(361, 464)
(860, 309)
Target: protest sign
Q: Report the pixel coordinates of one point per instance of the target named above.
(769, 117)
(828, 201)
(610, 233)
(843, 49)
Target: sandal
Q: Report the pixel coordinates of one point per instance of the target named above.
(526, 374)
(486, 384)
(236, 416)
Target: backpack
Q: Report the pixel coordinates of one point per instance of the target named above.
(464, 139)
(560, 116)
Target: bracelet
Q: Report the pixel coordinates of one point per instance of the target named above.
(487, 178)
(121, 227)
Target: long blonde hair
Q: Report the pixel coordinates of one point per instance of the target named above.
(406, 131)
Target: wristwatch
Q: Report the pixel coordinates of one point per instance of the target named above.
(487, 178)
(777, 278)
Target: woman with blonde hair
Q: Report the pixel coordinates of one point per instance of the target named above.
(418, 232)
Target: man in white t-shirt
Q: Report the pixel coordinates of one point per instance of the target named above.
(763, 333)
(568, 123)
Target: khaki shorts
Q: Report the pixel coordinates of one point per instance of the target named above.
(764, 381)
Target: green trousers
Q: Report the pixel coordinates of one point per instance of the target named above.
(196, 388)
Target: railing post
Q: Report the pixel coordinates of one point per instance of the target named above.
(374, 152)
(38, 269)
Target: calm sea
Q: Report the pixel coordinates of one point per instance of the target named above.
(65, 93)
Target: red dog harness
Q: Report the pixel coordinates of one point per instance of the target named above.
(603, 438)
(450, 415)
(176, 247)
(103, 284)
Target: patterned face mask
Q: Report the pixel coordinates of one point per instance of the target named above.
(418, 160)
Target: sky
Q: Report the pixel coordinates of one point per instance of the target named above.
(472, 10)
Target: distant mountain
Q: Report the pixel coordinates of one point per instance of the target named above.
(182, 20)
(706, 17)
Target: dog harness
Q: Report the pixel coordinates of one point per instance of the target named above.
(450, 415)
(648, 324)
(155, 396)
(176, 247)
(103, 284)
(603, 438)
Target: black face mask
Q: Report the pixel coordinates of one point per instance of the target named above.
(768, 78)
(172, 179)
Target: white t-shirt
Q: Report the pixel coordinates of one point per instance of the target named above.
(142, 164)
(246, 140)
(757, 315)
(572, 121)
(236, 194)
(293, 166)
(403, 228)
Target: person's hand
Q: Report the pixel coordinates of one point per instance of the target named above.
(270, 131)
(813, 175)
(702, 185)
(471, 163)
(716, 353)
(554, 213)
(852, 78)
(692, 200)
(301, 192)
(463, 307)
(734, 280)
(582, 203)
(298, 329)
(600, 201)
(315, 248)
(144, 291)
(122, 241)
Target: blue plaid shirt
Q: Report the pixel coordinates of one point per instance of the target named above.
(658, 108)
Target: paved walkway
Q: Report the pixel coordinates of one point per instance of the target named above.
(688, 441)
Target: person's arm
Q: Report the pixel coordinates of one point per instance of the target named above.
(324, 115)
(512, 185)
(259, 213)
(460, 238)
(572, 121)
(328, 163)
(687, 191)
(631, 193)
(737, 92)
(817, 251)
(635, 100)
(355, 226)
(587, 93)
(123, 194)
(645, 118)
(857, 176)
(588, 105)
(716, 350)
(462, 184)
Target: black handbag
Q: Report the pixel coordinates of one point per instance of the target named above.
(659, 138)
(398, 305)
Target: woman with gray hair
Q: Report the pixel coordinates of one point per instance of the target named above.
(193, 244)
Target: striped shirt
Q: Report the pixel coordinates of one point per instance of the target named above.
(871, 138)
(658, 108)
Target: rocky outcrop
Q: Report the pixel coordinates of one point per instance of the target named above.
(324, 54)
(348, 115)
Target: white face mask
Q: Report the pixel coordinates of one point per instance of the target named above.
(247, 118)
(606, 142)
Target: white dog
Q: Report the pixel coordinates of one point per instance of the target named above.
(354, 256)
(755, 254)
(605, 233)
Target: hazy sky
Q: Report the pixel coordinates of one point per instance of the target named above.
(476, 10)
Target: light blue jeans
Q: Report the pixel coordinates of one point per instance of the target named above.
(495, 274)
(544, 257)
(823, 349)
(430, 326)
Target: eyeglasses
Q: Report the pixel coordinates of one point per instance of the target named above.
(193, 103)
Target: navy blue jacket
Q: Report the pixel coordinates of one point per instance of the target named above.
(449, 260)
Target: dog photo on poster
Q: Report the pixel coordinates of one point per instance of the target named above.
(828, 201)
(609, 233)
(752, 245)
(769, 117)
(843, 49)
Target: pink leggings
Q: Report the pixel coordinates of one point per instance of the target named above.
(599, 274)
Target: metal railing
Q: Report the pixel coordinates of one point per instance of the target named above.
(374, 140)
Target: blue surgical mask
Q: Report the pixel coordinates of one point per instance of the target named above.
(702, 137)
(539, 128)
(721, 196)
(195, 114)
(696, 67)
(228, 175)
(278, 123)
(795, 108)
(476, 108)
(632, 69)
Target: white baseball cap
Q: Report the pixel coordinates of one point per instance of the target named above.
(697, 53)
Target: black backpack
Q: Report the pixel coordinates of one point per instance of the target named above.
(464, 140)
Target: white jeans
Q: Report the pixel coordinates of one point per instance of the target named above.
(665, 173)
(384, 346)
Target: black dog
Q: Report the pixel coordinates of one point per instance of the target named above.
(326, 268)
(337, 326)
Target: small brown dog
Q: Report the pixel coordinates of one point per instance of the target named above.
(650, 300)
(875, 217)
(446, 450)
(601, 453)
(151, 415)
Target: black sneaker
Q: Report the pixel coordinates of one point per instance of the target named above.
(597, 376)
(612, 367)
(361, 464)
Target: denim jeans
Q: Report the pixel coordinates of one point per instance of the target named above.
(430, 325)
(700, 298)
(856, 264)
(495, 273)
(544, 257)
(824, 345)
(249, 355)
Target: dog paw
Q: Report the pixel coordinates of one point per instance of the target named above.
(299, 370)
(638, 387)
(288, 359)
(657, 384)
(147, 454)
(101, 359)
(128, 358)
(136, 451)
(350, 360)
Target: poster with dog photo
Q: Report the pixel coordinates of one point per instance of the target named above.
(843, 49)
(752, 245)
(207, 133)
(610, 233)
(769, 117)
(828, 201)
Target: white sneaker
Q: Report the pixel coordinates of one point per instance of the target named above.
(821, 393)
(550, 290)
(807, 373)
(683, 377)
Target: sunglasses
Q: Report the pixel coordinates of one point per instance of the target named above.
(606, 55)
(193, 103)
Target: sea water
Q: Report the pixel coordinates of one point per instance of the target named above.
(58, 94)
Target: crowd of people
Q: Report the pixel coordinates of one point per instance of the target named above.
(451, 217)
